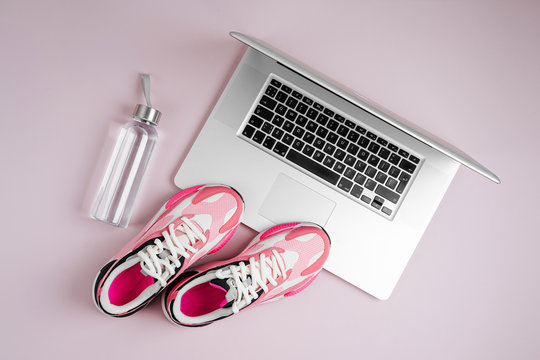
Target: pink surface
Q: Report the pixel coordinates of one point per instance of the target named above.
(464, 70)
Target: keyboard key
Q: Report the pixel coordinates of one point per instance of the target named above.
(319, 155)
(360, 179)
(329, 161)
(308, 137)
(322, 119)
(269, 142)
(339, 167)
(394, 171)
(278, 120)
(275, 82)
(281, 109)
(360, 129)
(339, 118)
(297, 95)
(387, 211)
(248, 131)
(363, 142)
(387, 194)
(339, 154)
(308, 150)
(271, 91)
(267, 127)
(288, 126)
(381, 177)
(350, 160)
(298, 144)
(298, 132)
(383, 166)
(345, 185)
(360, 165)
(394, 159)
(414, 159)
(382, 141)
(328, 112)
(312, 114)
(268, 102)
(403, 153)
(264, 112)
(301, 108)
(374, 147)
(407, 166)
(342, 143)
(319, 143)
(311, 126)
(318, 106)
(288, 139)
(329, 149)
(333, 125)
(281, 149)
(322, 131)
(286, 89)
(301, 120)
(291, 102)
(393, 147)
(342, 130)
(356, 191)
(350, 124)
(349, 173)
(391, 183)
(312, 166)
(277, 133)
(371, 135)
(371, 171)
(281, 97)
(363, 154)
(332, 137)
(373, 160)
(404, 177)
(365, 199)
(353, 136)
(376, 204)
(370, 184)
(307, 100)
(291, 115)
(256, 121)
(384, 153)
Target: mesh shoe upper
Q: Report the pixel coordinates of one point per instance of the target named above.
(277, 263)
(193, 223)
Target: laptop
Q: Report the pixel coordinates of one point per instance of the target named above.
(299, 147)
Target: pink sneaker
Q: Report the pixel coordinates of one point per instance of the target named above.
(279, 262)
(195, 222)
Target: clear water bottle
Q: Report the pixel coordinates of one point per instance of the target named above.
(124, 174)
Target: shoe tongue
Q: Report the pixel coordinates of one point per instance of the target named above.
(227, 286)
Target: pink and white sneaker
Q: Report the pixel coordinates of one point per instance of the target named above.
(279, 262)
(195, 222)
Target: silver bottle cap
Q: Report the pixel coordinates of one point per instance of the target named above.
(146, 113)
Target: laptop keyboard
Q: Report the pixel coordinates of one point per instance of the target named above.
(302, 130)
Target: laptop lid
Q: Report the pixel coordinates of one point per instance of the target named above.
(355, 99)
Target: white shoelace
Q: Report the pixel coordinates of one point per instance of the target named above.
(160, 265)
(264, 271)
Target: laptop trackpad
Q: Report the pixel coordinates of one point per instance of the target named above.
(289, 200)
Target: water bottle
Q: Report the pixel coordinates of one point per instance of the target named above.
(124, 174)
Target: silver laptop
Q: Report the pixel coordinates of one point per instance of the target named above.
(298, 147)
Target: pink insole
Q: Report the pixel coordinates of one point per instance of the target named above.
(202, 299)
(129, 284)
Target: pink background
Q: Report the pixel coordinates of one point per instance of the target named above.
(467, 71)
